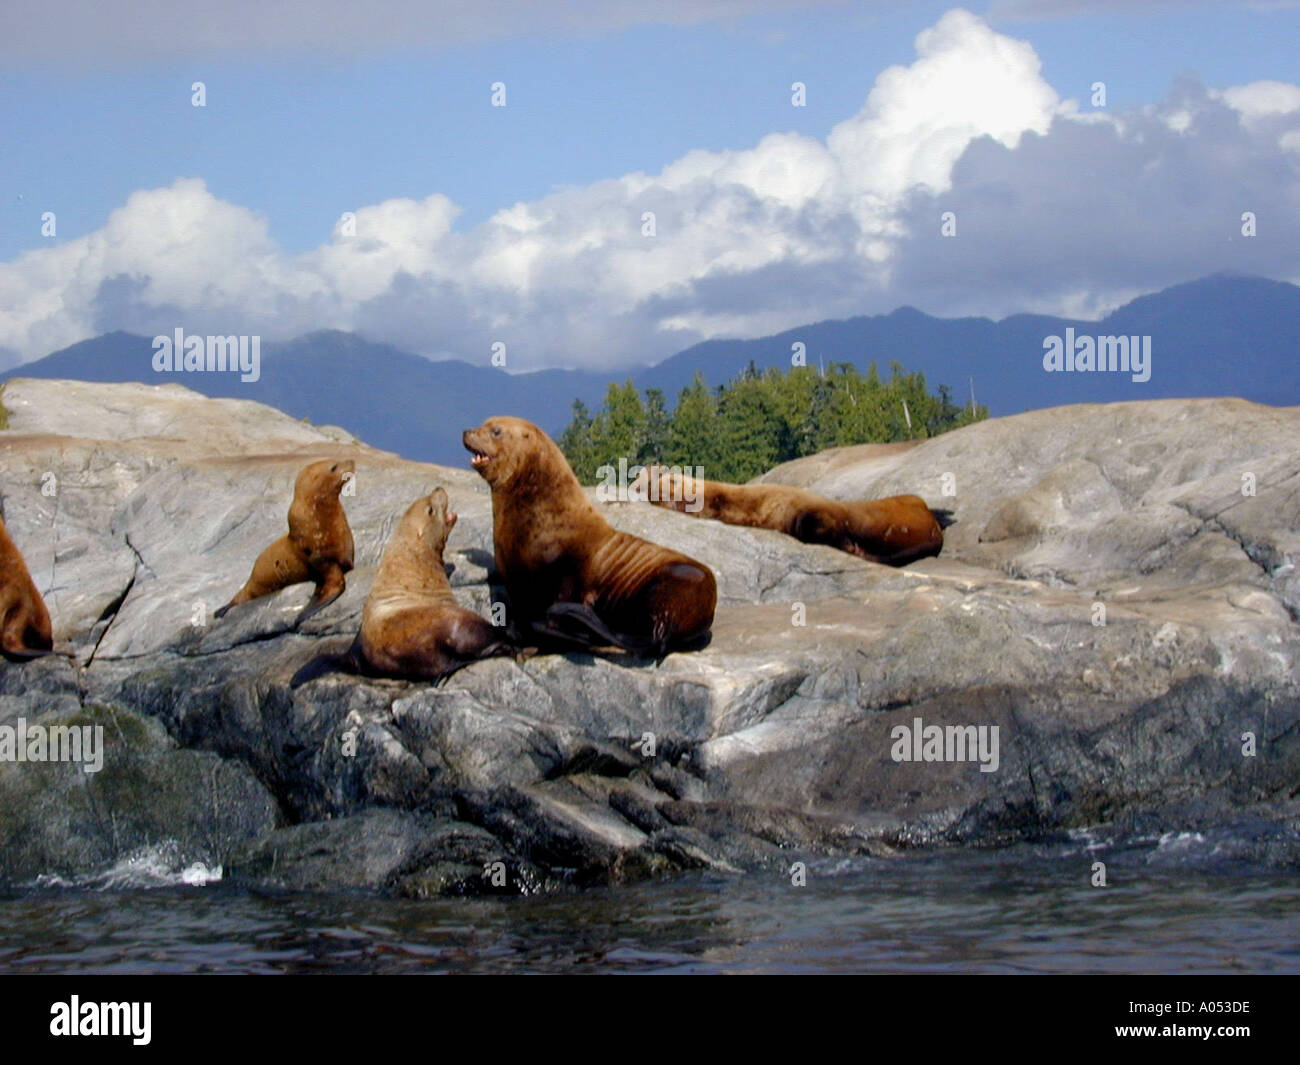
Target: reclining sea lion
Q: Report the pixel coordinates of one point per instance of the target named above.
(895, 530)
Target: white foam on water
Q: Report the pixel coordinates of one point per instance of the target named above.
(155, 866)
(1179, 846)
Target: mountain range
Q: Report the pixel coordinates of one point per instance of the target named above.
(1220, 335)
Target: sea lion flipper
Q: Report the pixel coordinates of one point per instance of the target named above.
(347, 662)
(25, 653)
(591, 621)
(331, 585)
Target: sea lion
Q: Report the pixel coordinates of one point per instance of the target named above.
(411, 625)
(25, 629)
(571, 578)
(895, 530)
(318, 546)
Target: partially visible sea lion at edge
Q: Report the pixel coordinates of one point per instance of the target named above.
(895, 530)
(569, 575)
(25, 629)
(412, 626)
(318, 546)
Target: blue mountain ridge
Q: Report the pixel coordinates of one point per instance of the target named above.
(1220, 335)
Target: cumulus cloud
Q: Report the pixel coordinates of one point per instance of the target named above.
(1056, 208)
(1092, 214)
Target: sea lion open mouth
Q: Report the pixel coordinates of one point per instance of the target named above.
(479, 458)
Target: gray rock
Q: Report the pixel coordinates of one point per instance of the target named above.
(410, 854)
(1108, 599)
(58, 820)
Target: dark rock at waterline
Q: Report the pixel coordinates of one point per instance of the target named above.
(59, 821)
(1117, 598)
(410, 854)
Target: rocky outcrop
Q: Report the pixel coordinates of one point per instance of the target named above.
(1113, 599)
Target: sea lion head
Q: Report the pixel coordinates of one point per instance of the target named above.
(504, 448)
(666, 485)
(325, 477)
(429, 520)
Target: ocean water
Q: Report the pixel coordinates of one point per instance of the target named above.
(1178, 903)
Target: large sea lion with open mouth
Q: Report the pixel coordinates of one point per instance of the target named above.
(895, 530)
(318, 546)
(25, 629)
(570, 576)
(412, 626)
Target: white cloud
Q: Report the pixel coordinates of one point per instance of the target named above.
(967, 82)
(1263, 98)
(1057, 210)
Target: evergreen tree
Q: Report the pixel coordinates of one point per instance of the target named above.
(576, 443)
(759, 419)
(657, 426)
(693, 433)
(749, 429)
(619, 430)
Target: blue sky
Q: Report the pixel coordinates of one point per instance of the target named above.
(299, 128)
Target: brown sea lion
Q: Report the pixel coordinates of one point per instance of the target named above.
(318, 546)
(25, 630)
(411, 625)
(569, 575)
(895, 530)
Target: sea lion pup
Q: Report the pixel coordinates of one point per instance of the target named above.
(570, 577)
(411, 625)
(318, 546)
(25, 630)
(896, 530)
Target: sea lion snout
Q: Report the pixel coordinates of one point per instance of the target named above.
(440, 506)
(476, 443)
(332, 473)
(496, 444)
